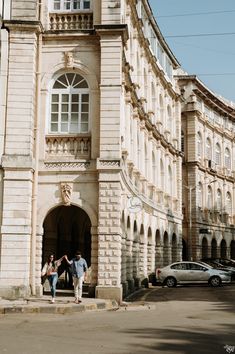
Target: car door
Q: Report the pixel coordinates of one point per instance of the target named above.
(180, 271)
(198, 273)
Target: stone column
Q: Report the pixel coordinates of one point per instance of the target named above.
(110, 237)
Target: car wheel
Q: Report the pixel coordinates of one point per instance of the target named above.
(170, 282)
(215, 281)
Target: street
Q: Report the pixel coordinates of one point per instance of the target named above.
(183, 320)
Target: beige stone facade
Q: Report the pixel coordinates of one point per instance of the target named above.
(90, 139)
(208, 128)
(102, 143)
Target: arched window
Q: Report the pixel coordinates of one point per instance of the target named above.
(169, 118)
(161, 105)
(217, 154)
(153, 100)
(219, 200)
(209, 197)
(69, 105)
(170, 182)
(227, 158)
(199, 194)
(208, 149)
(228, 203)
(199, 144)
(71, 5)
(162, 174)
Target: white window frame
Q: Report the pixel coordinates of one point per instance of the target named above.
(63, 6)
(227, 158)
(229, 203)
(69, 91)
(217, 154)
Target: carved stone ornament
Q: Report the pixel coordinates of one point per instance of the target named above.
(66, 192)
(68, 59)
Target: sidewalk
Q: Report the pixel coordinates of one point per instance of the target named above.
(63, 305)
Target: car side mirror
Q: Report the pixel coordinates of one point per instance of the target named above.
(205, 269)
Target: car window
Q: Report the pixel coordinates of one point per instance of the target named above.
(179, 266)
(194, 266)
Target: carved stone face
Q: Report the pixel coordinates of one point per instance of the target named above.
(66, 192)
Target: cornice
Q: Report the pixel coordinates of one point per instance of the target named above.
(31, 26)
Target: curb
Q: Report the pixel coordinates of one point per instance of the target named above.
(58, 309)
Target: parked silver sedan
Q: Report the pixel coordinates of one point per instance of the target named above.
(191, 272)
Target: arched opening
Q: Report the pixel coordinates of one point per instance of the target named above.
(213, 248)
(223, 249)
(204, 248)
(174, 248)
(158, 253)
(232, 249)
(165, 249)
(66, 229)
(184, 250)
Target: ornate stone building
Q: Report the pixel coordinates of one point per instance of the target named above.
(90, 133)
(208, 127)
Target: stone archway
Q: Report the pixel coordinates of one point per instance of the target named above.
(223, 249)
(205, 248)
(66, 229)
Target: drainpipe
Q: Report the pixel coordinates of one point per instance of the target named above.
(36, 159)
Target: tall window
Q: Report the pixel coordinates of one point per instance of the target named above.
(229, 203)
(217, 154)
(209, 197)
(227, 158)
(170, 182)
(182, 141)
(208, 149)
(69, 105)
(71, 5)
(219, 200)
(169, 118)
(199, 144)
(162, 175)
(199, 194)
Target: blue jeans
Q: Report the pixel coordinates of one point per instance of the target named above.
(53, 281)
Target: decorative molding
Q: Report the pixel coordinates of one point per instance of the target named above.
(66, 193)
(68, 59)
(56, 165)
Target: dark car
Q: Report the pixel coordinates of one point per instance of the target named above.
(222, 264)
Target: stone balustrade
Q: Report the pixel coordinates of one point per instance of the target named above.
(71, 21)
(69, 147)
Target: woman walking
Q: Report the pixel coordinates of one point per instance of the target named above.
(50, 269)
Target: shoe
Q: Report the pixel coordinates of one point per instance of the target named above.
(76, 301)
(79, 301)
(52, 301)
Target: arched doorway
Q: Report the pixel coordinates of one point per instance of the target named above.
(204, 248)
(223, 249)
(213, 248)
(232, 249)
(67, 229)
(174, 248)
(184, 250)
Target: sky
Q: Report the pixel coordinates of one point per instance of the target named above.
(211, 58)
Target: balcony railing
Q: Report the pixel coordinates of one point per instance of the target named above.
(67, 148)
(71, 21)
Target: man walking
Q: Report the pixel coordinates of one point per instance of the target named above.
(79, 268)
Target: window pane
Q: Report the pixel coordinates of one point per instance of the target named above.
(61, 82)
(85, 107)
(67, 4)
(84, 127)
(74, 117)
(70, 78)
(65, 107)
(55, 98)
(75, 98)
(54, 127)
(64, 127)
(54, 107)
(85, 98)
(84, 117)
(86, 4)
(64, 117)
(76, 4)
(77, 79)
(54, 117)
(65, 98)
(74, 108)
(73, 128)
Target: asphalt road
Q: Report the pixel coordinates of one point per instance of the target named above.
(182, 320)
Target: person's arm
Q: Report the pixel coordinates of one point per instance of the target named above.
(59, 261)
(85, 270)
(66, 258)
(44, 270)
